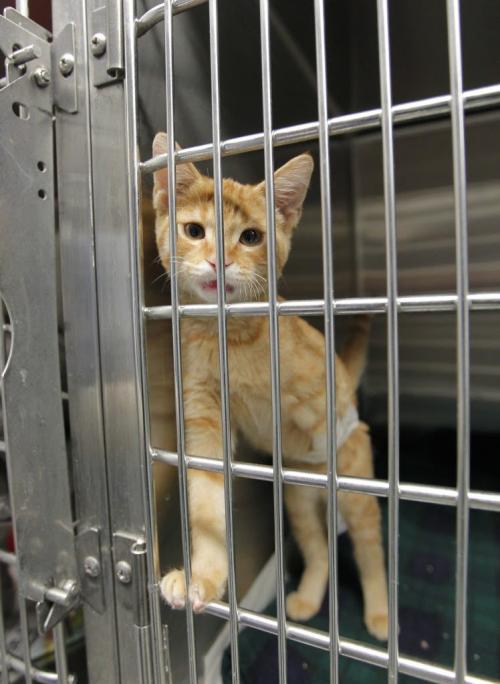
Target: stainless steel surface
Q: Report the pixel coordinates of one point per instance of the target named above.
(222, 332)
(30, 386)
(463, 336)
(145, 545)
(274, 360)
(123, 572)
(485, 301)
(77, 227)
(23, 6)
(447, 496)
(157, 13)
(66, 63)
(176, 339)
(348, 648)
(25, 54)
(417, 112)
(329, 316)
(98, 44)
(391, 269)
(41, 76)
(91, 566)
(60, 655)
(114, 33)
(115, 196)
(63, 69)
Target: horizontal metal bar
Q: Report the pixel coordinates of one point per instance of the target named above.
(24, 55)
(348, 647)
(484, 301)
(447, 496)
(7, 557)
(420, 110)
(37, 675)
(156, 14)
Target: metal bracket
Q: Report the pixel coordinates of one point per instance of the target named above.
(47, 67)
(55, 605)
(63, 69)
(89, 559)
(106, 44)
(131, 573)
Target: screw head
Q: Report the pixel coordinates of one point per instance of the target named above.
(66, 64)
(91, 566)
(42, 77)
(123, 572)
(98, 44)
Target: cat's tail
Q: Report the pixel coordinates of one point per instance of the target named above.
(355, 350)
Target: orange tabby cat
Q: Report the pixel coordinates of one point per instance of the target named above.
(302, 388)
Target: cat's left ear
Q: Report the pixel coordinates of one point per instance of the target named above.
(291, 182)
(185, 175)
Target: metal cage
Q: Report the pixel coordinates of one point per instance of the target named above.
(80, 463)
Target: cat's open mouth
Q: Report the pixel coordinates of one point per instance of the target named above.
(212, 285)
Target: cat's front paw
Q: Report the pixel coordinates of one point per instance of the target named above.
(378, 625)
(202, 590)
(173, 588)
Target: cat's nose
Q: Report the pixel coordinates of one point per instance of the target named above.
(214, 265)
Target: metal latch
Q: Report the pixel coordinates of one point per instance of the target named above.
(48, 66)
(56, 604)
(106, 44)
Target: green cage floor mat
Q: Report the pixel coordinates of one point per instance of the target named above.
(426, 590)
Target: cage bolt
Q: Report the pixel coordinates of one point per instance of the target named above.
(42, 77)
(98, 44)
(91, 566)
(124, 572)
(66, 64)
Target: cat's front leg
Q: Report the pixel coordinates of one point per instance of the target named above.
(206, 518)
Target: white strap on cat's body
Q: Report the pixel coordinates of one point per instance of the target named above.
(346, 425)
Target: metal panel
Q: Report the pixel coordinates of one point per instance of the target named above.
(115, 200)
(76, 229)
(31, 387)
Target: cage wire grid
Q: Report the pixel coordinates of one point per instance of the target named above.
(462, 498)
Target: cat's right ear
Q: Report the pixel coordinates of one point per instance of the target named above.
(186, 174)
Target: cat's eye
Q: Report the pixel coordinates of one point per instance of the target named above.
(194, 231)
(251, 236)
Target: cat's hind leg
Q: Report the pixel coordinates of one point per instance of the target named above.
(304, 508)
(361, 513)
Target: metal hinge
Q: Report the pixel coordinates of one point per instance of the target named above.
(106, 44)
(89, 559)
(48, 66)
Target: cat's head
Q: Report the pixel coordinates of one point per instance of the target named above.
(245, 229)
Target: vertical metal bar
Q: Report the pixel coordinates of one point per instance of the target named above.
(77, 237)
(176, 342)
(222, 329)
(3, 647)
(23, 7)
(146, 674)
(114, 25)
(329, 310)
(273, 334)
(463, 349)
(23, 617)
(392, 331)
(152, 562)
(60, 653)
